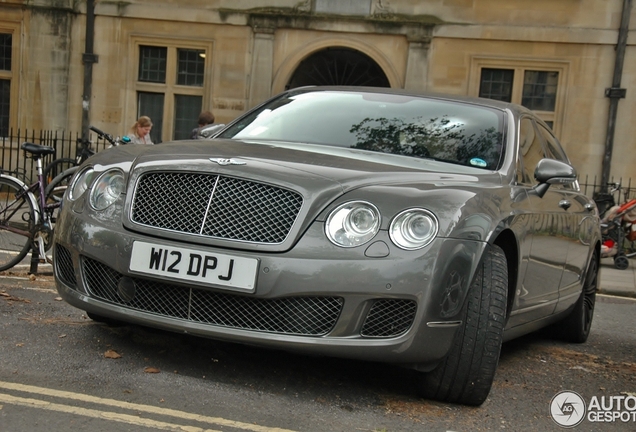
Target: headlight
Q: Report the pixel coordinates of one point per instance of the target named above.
(413, 229)
(81, 183)
(107, 189)
(353, 224)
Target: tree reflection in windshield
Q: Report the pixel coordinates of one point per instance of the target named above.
(437, 138)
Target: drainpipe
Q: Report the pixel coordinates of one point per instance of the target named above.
(615, 93)
(88, 58)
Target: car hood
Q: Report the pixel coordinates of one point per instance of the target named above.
(304, 164)
(323, 175)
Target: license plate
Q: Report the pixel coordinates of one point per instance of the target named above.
(194, 265)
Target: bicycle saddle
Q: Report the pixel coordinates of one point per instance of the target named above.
(37, 149)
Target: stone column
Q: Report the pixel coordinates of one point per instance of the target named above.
(417, 62)
(262, 65)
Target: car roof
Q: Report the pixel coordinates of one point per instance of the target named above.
(490, 103)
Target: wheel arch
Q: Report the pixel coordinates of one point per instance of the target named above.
(507, 241)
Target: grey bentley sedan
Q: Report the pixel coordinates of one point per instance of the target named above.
(373, 224)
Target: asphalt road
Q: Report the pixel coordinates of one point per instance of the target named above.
(61, 371)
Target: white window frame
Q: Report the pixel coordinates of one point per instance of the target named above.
(170, 88)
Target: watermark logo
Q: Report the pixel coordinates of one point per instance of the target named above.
(567, 409)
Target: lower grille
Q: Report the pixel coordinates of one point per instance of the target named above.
(64, 266)
(389, 318)
(306, 316)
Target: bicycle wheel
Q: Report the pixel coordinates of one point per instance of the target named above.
(15, 214)
(57, 167)
(54, 191)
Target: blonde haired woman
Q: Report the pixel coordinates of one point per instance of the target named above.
(140, 131)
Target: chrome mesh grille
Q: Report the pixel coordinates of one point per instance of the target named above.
(215, 206)
(307, 316)
(389, 318)
(64, 266)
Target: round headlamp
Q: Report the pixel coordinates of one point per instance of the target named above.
(81, 183)
(107, 189)
(353, 224)
(413, 229)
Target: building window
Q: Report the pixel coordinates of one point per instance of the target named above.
(191, 63)
(533, 84)
(170, 88)
(6, 42)
(539, 90)
(496, 84)
(152, 64)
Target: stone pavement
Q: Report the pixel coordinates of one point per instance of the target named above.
(617, 282)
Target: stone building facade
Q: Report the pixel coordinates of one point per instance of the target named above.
(67, 64)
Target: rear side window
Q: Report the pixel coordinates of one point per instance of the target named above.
(530, 151)
(555, 151)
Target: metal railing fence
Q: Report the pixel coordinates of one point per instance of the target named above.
(14, 160)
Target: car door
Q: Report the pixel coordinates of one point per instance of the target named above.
(539, 291)
(577, 227)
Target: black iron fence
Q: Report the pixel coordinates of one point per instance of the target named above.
(14, 160)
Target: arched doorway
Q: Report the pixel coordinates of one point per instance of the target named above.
(338, 66)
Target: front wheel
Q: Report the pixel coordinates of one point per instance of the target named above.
(17, 217)
(466, 375)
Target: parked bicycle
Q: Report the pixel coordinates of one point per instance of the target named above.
(26, 219)
(60, 165)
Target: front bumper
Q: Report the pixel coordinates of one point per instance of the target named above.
(315, 298)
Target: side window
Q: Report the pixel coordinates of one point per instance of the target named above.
(530, 151)
(554, 150)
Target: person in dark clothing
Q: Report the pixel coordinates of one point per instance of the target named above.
(205, 118)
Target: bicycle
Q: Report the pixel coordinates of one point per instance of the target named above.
(26, 219)
(60, 165)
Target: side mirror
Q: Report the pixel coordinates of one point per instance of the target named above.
(551, 171)
(210, 131)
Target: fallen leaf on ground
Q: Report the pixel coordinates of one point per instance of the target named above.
(58, 299)
(112, 354)
(19, 344)
(62, 336)
(4, 294)
(151, 370)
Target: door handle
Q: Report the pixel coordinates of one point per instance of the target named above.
(565, 204)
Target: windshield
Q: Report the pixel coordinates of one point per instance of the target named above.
(412, 126)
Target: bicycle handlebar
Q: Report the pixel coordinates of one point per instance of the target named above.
(103, 134)
(109, 137)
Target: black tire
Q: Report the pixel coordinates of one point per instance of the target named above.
(576, 327)
(621, 262)
(55, 190)
(14, 213)
(466, 375)
(57, 167)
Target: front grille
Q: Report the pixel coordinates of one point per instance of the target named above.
(215, 206)
(307, 316)
(64, 266)
(389, 318)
